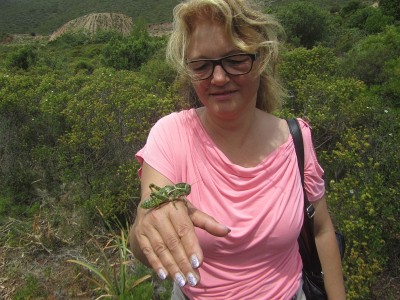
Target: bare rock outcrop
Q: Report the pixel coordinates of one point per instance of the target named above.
(93, 22)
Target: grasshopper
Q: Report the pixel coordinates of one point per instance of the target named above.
(168, 193)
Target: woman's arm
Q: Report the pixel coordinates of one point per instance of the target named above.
(328, 251)
(164, 238)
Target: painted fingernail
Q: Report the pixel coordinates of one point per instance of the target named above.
(180, 280)
(161, 274)
(194, 260)
(192, 280)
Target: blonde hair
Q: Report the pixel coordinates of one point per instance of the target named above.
(250, 30)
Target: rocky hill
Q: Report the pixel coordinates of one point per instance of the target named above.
(93, 22)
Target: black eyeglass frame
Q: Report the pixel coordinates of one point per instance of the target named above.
(218, 62)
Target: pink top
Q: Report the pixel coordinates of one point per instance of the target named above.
(262, 205)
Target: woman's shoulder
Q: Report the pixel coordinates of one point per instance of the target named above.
(174, 120)
(177, 116)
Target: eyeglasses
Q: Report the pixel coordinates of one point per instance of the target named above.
(235, 64)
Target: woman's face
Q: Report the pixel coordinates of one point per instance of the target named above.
(224, 95)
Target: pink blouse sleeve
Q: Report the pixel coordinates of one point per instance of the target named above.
(160, 149)
(313, 172)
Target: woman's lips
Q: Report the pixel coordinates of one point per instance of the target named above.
(222, 95)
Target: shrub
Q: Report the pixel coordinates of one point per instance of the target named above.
(132, 52)
(305, 23)
(366, 60)
(390, 8)
(370, 19)
(22, 58)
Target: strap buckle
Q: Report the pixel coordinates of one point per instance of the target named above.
(310, 211)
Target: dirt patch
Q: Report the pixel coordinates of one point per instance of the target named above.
(161, 29)
(94, 22)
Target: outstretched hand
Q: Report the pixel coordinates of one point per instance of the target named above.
(164, 238)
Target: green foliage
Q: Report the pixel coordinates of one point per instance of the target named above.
(132, 52)
(390, 8)
(85, 66)
(46, 16)
(22, 58)
(31, 290)
(366, 60)
(157, 70)
(304, 23)
(113, 279)
(355, 133)
(71, 39)
(351, 7)
(299, 63)
(370, 19)
(390, 89)
(367, 190)
(109, 116)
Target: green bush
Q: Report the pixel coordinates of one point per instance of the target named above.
(355, 132)
(304, 23)
(132, 52)
(390, 8)
(85, 66)
(370, 19)
(109, 117)
(366, 60)
(22, 58)
(390, 89)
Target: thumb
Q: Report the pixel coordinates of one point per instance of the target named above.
(206, 222)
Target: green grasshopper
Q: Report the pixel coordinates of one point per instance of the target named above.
(168, 193)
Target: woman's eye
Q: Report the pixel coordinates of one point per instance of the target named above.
(199, 66)
(236, 61)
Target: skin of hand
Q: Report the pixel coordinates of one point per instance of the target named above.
(164, 238)
(328, 251)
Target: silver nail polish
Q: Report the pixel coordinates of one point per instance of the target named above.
(194, 261)
(192, 280)
(161, 274)
(180, 280)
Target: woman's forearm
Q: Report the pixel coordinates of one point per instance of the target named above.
(328, 251)
(329, 255)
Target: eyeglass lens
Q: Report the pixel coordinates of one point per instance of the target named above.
(237, 64)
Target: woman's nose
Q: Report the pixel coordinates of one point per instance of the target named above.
(219, 76)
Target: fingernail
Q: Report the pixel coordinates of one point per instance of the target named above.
(180, 280)
(191, 279)
(161, 274)
(194, 260)
(226, 228)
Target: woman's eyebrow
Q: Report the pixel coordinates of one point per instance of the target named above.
(201, 57)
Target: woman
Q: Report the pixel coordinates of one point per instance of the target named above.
(236, 236)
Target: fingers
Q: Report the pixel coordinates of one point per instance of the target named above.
(167, 239)
(206, 222)
(170, 245)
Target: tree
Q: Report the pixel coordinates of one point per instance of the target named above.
(370, 19)
(390, 8)
(304, 23)
(132, 52)
(366, 60)
(23, 58)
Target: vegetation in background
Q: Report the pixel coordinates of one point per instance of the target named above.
(42, 17)
(75, 111)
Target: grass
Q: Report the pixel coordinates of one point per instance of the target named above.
(41, 260)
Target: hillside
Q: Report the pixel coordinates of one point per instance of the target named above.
(42, 17)
(94, 22)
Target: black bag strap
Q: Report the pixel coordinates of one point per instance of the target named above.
(297, 136)
(306, 240)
